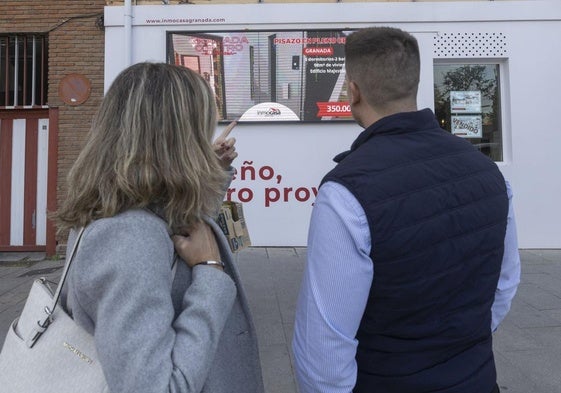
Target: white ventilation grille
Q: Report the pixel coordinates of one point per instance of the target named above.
(470, 45)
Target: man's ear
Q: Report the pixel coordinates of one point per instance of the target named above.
(354, 91)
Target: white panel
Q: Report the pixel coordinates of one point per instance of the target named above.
(42, 170)
(534, 79)
(425, 94)
(523, 35)
(470, 44)
(280, 189)
(18, 184)
(163, 17)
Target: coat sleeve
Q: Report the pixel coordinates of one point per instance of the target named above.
(123, 286)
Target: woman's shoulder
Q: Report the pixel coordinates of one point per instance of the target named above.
(135, 232)
(134, 222)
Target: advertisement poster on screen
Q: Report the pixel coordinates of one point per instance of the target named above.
(465, 101)
(269, 76)
(467, 126)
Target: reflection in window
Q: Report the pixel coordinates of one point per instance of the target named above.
(467, 103)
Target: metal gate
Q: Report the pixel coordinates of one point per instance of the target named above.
(28, 158)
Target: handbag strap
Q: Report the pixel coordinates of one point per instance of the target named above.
(62, 280)
(45, 321)
(43, 324)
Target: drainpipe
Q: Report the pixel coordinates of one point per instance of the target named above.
(128, 32)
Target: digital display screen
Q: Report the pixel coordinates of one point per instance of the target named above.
(284, 75)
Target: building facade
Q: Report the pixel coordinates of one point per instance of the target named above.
(57, 58)
(51, 81)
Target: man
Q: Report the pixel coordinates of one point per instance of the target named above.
(412, 251)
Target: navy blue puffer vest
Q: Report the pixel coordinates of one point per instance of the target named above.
(437, 211)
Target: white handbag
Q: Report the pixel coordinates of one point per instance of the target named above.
(45, 350)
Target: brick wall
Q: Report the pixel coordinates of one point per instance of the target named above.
(76, 45)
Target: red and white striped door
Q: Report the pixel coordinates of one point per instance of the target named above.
(24, 179)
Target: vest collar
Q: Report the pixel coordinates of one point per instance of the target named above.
(394, 124)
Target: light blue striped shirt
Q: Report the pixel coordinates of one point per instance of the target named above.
(336, 285)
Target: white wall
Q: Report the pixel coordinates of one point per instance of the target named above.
(301, 153)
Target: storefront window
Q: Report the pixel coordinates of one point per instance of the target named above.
(467, 103)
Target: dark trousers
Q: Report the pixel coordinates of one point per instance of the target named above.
(496, 389)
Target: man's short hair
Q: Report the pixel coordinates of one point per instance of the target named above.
(385, 63)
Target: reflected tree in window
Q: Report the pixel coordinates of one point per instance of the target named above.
(472, 77)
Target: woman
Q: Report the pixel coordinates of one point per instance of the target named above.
(149, 169)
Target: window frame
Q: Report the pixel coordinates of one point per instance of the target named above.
(504, 96)
(31, 81)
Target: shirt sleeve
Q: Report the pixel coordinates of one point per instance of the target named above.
(510, 269)
(333, 294)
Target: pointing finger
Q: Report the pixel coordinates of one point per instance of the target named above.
(227, 130)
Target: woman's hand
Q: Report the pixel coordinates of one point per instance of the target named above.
(225, 148)
(198, 246)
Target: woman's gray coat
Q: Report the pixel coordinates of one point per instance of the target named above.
(157, 333)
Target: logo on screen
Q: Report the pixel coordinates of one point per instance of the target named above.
(271, 112)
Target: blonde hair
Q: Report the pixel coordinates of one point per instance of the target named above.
(150, 144)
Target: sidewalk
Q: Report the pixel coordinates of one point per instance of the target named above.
(527, 344)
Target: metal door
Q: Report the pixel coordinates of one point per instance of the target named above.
(28, 150)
